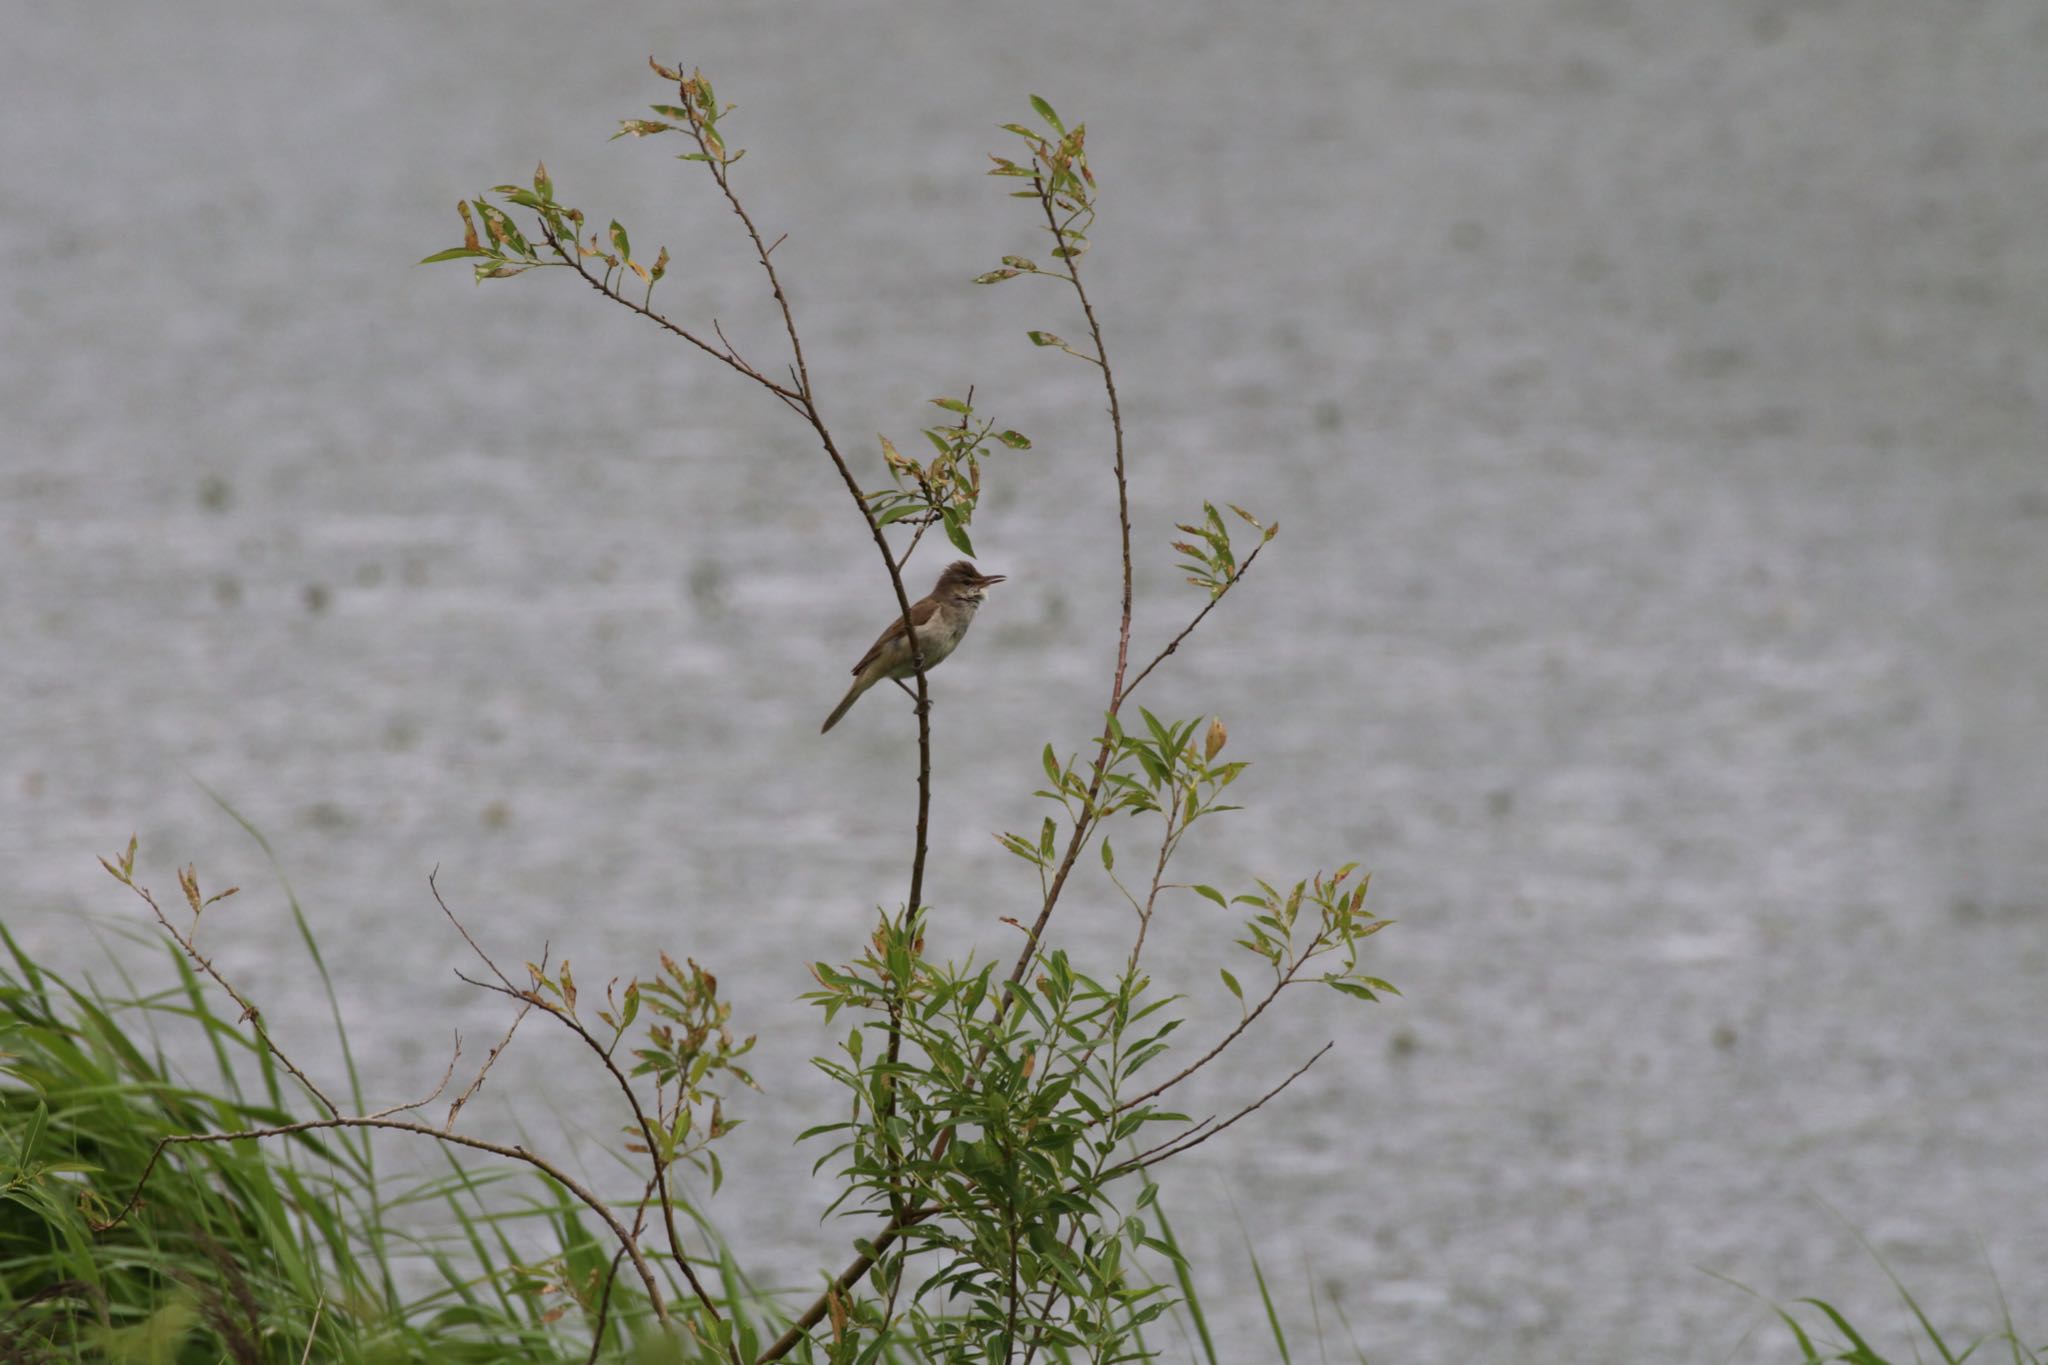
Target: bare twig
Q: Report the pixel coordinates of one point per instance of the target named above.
(485, 1070)
(1188, 629)
(1156, 1091)
(250, 1013)
(1189, 1140)
(604, 1303)
(728, 356)
(434, 887)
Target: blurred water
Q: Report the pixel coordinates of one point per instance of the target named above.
(1653, 398)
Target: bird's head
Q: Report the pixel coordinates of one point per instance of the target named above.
(962, 582)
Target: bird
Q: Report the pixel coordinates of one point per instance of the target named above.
(941, 621)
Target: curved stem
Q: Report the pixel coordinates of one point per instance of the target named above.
(533, 1159)
(806, 403)
(1085, 822)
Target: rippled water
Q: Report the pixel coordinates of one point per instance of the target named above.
(1652, 396)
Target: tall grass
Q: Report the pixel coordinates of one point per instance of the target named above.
(293, 1249)
(284, 1250)
(1823, 1334)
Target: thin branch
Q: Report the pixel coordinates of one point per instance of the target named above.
(1188, 629)
(858, 1267)
(1159, 1155)
(250, 1013)
(454, 1109)
(1166, 847)
(432, 1095)
(604, 1304)
(1084, 824)
(570, 257)
(1182, 1136)
(434, 888)
(1156, 1091)
(646, 1125)
(521, 1154)
(805, 401)
(1010, 1323)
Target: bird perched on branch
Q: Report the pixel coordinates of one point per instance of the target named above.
(941, 621)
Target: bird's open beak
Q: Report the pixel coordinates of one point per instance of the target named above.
(992, 578)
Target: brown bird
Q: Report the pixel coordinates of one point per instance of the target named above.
(941, 621)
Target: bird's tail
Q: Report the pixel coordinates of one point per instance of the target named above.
(860, 685)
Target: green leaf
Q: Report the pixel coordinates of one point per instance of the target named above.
(1044, 339)
(1052, 765)
(957, 533)
(1211, 893)
(1045, 112)
(454, 253)
(619, 242)
(996, 276)
(502, 230)
(1108, 858)
(1230, 984)
(951, 405)
(1015, 440)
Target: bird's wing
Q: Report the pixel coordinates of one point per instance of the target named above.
(920, 612)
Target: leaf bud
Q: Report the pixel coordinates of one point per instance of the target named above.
(1218, 737)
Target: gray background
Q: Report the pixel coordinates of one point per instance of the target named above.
(1652, 397)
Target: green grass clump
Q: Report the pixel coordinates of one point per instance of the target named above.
(279, 1250)
(1826, 1335)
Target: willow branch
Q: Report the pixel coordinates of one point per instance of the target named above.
(571, 256)
(1189, 628)
(846, 1279)
(1156, 1091)
(1085, 822)
(1205, 1129)
(805, 401)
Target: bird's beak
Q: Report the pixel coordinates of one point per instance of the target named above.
(992, 578)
